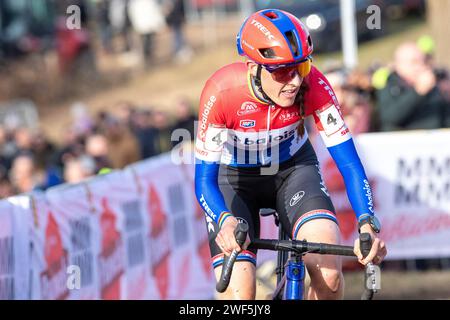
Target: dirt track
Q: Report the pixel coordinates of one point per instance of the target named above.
(395, 285)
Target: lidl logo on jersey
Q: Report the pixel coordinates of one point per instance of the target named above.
(247, 124)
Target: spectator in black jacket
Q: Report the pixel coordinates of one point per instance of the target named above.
(175, 19)
(185, 120)
(415, 96)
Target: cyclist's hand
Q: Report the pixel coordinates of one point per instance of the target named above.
(378, 250)
(225, 238)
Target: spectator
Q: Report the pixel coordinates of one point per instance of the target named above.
(43, 151)
(175, 19)
(97, 147)
(23, 139)
(145, 133)
(24, 176)
(7, 150)
(6, 188)
(123, 146)
(104, 24)
(185, 118)
(147, 19)
(120, 21)
(161, 123)
(413, 97)
(78, 169)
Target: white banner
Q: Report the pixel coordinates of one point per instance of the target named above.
(14, 248)
(50, 253)
(78, 225)
(410, 176)
(176, 269)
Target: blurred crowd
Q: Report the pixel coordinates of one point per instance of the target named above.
(410, 92)
(30, 161)
(72, 28)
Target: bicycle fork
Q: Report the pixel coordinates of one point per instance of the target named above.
(295, 278)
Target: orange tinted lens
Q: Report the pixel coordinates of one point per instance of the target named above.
(284, 74)
(304, 68)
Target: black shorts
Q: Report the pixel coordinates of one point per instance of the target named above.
(296, 191)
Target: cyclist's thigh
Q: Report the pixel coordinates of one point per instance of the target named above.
(242, 206)
(324, 231)
(303, 197)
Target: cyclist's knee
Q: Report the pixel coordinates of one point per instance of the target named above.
(242, 283)
(327, 284)
(333, 280)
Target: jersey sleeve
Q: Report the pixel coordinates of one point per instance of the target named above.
(211, 131)
(211, 135)
(322, 104)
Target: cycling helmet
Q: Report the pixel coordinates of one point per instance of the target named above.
(274, 38)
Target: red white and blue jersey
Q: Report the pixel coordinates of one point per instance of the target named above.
(238, 129)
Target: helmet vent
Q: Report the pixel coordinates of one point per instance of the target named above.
(309, 41)
(271, 15)
(267, 53)
(293, 42)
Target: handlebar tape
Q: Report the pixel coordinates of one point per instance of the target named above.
(240, 234)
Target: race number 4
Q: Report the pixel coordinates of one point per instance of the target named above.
(331, 120)
(215, 138)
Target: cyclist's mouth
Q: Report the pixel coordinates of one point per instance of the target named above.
(289, 93)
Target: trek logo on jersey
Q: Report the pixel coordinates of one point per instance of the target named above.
(296, 198)
(206, 207)
(247, 107)
(247, 123)
(289, 116)
(263, 29)
(329, 90)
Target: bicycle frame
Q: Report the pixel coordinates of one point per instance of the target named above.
(290, 273)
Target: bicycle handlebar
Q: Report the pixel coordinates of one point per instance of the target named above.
(298, 246)
(240, 234)
(302, 247)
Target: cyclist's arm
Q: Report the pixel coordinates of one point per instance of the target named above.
(211, 136)
(323, 105)
(342, 149)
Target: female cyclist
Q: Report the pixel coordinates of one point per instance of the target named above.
(252, 152)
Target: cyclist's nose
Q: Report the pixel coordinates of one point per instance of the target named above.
(297, 79)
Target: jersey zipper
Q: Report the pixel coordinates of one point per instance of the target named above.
(269, 109)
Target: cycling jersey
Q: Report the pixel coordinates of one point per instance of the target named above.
(238, 129)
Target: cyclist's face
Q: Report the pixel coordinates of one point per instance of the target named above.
(281, 85)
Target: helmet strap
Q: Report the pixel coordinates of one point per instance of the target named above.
(257, 86)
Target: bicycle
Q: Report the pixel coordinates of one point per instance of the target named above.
(290, 268)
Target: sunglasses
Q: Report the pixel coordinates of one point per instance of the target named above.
(287, 72)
